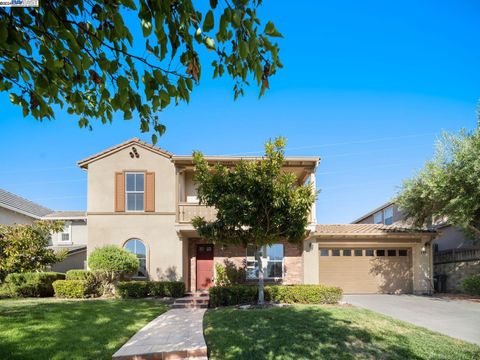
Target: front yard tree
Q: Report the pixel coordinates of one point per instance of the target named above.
(110, 263)
(448, 187)
(257, 203)
(82, 55)
(23, 247)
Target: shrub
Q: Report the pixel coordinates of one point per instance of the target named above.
(166, 288)
(228, 274)
(300, 294)
(305, 294)
(132, 289)
(110, 263)
(234, 295)
(32, 284)
(471, 285)
(140, 289)
(78, 274)
(71, 289)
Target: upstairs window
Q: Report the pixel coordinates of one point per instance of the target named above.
(378, 218)
(388, 215)
(134, 191)
(65, 236)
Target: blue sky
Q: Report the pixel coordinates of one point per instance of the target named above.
(367, 86)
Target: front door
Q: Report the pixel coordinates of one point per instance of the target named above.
(204, 266)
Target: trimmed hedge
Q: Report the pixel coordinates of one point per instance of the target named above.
(141, 289)
(71, 289)
(173, 289)
(305, 294)
(132, 289)
(290, 294)
(471, 285)
(32, 284)
(78, 274)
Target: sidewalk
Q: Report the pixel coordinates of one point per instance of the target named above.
(176, 334)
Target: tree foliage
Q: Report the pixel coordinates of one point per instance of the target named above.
(448, 187)
(257, 202)
(23, 248)
(82, 55)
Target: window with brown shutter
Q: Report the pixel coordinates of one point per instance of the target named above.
(150, 192)
(119, 192)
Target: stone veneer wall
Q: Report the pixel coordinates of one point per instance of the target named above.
(456, 271)
(293, 264)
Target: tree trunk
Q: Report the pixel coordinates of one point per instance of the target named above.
(261, 285)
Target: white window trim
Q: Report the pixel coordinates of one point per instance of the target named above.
(67, 229)
(265, 261)
(384, 214)
(381, 217)
(134, 191)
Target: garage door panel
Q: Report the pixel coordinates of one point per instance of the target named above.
(367, 274)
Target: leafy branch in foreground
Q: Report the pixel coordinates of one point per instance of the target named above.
(82, 55)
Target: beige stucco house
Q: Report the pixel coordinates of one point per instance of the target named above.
(143, 198)
(15, 209)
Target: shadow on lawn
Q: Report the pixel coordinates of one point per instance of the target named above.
(71, 329)
(296, 333)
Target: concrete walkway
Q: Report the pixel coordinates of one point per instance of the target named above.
(176, 334)
(456, 318)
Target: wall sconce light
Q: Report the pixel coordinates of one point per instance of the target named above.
(424, 248)
(310, 246)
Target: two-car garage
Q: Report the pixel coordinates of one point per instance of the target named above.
(370, 258)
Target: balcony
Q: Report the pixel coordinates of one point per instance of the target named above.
(187, 211)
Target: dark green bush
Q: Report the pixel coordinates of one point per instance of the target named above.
(471, 285)
(166, 288)
(140, 289)
(78, 274)
(300, 294)
(32, 284)
(71, 289)
(234, 295)
(132, 289)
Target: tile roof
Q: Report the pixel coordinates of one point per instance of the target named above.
(66, 214)
(366, 229)
(134, 141)
(22, 205)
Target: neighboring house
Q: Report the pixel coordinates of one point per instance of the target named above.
(455, 254)
(143, 198)
(15, 209)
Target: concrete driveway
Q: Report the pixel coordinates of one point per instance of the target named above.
(457, 318)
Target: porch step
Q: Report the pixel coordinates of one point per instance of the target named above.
(192, 301)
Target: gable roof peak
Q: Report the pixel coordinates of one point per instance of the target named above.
(84, 163)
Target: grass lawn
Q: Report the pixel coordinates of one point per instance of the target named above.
(324, 332)
(70, 329)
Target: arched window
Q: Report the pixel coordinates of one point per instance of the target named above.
(138, 248)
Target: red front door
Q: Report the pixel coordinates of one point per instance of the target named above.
(204, 266)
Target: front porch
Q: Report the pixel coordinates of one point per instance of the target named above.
(201, 257)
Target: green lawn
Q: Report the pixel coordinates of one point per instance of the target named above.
(75, 329)
(324, 332)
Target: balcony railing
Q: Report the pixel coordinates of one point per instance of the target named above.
(187, 211)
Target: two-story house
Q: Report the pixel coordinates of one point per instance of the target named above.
(143, 198)
(15, 209)
(455, 254)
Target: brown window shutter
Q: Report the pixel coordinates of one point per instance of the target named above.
(119, 192)
(150, 192)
